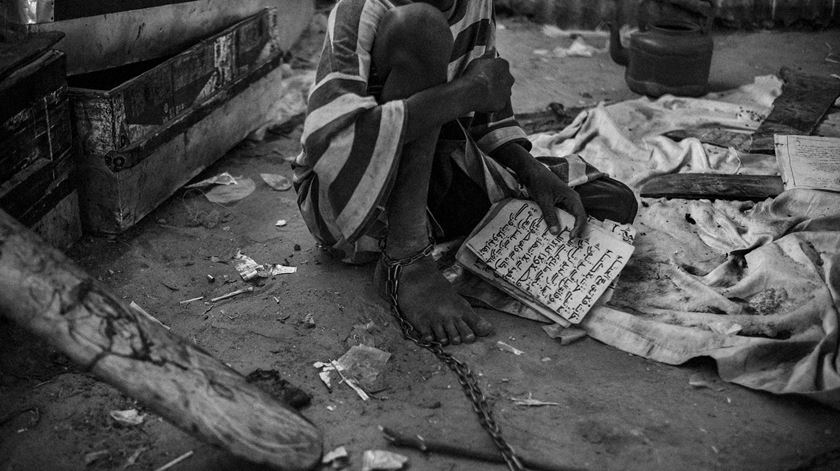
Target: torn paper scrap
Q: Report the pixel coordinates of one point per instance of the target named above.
(365, 364)
(373, 460)
(360, 368)
(249, 269)
(339, 454)
(220, 179)
(508, 348)
(223, 194)
(129, 417)
(531, 402)
(276, 181)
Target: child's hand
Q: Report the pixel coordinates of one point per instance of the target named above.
(550, 192)
(491, 82)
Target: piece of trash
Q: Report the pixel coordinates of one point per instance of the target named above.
(338, 455)
(93, 456)
(360, 368)
(249, 269)
(132, 460)
(508, 348)
(211, 278)
(566, 335)
(325, 374)
(175, 461)
(331, 408)
(831, 56)
(187, 301)
(235, 293)
(382, 460)
(170, 285)
(541, 52)
(362, 334)
(128, 417)
(309, 321)
(699, 381)
(220, 179)
(552, 31)
(136, 307)
(578, 48)
(280, 223)
(364, 364)
(531, 402)
(224, 194)
(350, 382)
(277, 182)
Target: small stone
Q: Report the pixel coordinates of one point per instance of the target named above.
(297, 247)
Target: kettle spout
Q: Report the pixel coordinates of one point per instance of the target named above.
(617, 51)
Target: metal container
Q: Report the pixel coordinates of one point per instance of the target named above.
(668, 58)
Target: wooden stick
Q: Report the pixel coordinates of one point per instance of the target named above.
(448, 448)
(46, 293)
(235, 293)
(175, 461)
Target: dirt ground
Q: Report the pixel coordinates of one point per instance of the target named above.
(615, 410)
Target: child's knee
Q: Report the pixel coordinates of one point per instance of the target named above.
(626, 205)
(414, 35)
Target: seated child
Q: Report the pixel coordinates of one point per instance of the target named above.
(410, 134)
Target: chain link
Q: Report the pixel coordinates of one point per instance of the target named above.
(465, 376)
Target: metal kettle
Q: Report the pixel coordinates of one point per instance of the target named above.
(669, 57)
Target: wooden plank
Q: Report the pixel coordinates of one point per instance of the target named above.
(24, 189)
(713, 186)
(118, 192)
(46, 293)
(804, 101)
(60, 226)
(14, 54)
(717, 136)
(554, 118)
(40, 131)
(132, 36)
(29, 83)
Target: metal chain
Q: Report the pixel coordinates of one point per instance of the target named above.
(465, 376)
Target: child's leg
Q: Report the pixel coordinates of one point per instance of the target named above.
(606, 198)
(412, 49)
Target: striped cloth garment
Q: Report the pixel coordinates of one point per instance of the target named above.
(351, 142)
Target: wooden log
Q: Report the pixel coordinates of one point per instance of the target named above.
(713, 186)
(46, 293)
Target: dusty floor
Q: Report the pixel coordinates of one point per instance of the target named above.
(615, 411)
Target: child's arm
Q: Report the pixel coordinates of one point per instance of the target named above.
(544, 187)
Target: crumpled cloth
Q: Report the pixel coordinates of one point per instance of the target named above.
(754, 286)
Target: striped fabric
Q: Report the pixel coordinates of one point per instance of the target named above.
(351, 143)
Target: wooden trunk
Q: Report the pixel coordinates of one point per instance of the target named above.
(116, 108)
(125, 185)
(129, 31)
(37, 168)
(44, 292)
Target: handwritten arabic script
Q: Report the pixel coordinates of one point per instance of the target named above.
(566, 275)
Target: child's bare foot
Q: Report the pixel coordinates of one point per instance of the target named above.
(432, 306)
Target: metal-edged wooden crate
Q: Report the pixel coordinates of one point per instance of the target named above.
(142, 139)
(116, 108)
(37, 168)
